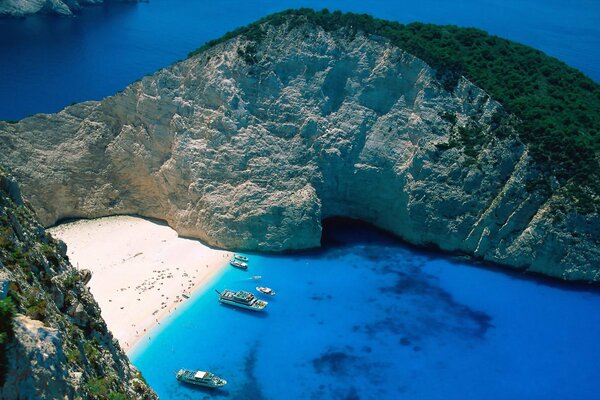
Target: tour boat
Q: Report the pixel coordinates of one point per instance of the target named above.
(266, 290)
(241, 299)
(240, 257)
(200, 378)
(238, 264)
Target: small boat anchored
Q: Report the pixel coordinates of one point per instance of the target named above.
(240, 257)
(200, 378)
(241, 299)
(266, 290)
(238, 264)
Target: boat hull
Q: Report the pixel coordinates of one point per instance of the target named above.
(244, 306)
(202, 384)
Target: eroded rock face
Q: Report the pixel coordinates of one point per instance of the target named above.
(20, 8)
(249, 145)
(59, 346)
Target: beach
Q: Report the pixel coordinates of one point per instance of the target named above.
(141, 270)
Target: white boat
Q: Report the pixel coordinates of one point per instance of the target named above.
(266, 290)
(256, 277)
(200, 378)
(240, 257)
(238, 264)
(241, 299)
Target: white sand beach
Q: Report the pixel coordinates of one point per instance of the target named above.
(140, 269)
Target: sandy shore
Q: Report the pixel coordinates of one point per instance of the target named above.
(140, 269)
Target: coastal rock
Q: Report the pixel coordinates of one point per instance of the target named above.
(86, 276)
(57, 346)
(21, 8)
(37, 363)
(253, 142)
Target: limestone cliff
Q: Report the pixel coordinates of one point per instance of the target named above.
(20, 8)
(253, 142)
(58, 346)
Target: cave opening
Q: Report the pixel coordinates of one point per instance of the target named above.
(340, 231)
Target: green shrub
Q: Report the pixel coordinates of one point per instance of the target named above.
(47, 250)
(117, 396)
(6, 238)
(71, 279)
(7, 313)
(98, 387)
(35, 304)
(74, 356)
(90, 347)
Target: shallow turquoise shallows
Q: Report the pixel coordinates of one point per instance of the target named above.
(369, 318)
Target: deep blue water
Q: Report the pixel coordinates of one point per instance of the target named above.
(49, 62)
(369, 318)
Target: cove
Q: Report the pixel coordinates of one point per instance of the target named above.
(367, 317)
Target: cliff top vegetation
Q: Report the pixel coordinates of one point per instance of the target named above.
(557, 106)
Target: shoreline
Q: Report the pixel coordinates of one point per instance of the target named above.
(141, 270)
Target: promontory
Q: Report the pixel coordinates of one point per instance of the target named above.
(21, 8)
(444, 136)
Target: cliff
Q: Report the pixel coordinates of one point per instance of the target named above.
(252, 142)
(21, 8)
(53, 342)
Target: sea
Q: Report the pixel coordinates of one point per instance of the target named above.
(365, 316)
(368, 317)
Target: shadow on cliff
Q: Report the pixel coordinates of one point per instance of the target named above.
(339, 233)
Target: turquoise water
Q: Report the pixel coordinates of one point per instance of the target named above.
(369, 318)
(48, 62)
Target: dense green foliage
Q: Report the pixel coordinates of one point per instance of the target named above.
(558, 106)
(7, 312)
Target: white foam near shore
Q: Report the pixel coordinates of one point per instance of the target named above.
(140, 269)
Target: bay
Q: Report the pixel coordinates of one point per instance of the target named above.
(368, 317)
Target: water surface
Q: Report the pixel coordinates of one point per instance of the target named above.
(369, 318)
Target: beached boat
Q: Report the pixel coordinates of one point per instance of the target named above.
(266, 290)
(241, 299)
(240, 257)
(200, 378)
(238, 264)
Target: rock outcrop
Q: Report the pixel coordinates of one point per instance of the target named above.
(21, 8)
(253, 142)
(58, 346)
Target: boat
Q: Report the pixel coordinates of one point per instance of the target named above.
(241, 299)
(200, 378)
(185, 296)
(266, 290)
(238, 264)
(256, 277)
(240, 257)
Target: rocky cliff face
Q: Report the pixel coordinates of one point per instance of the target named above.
(59, 346)
(20, 8)
(252, 143)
